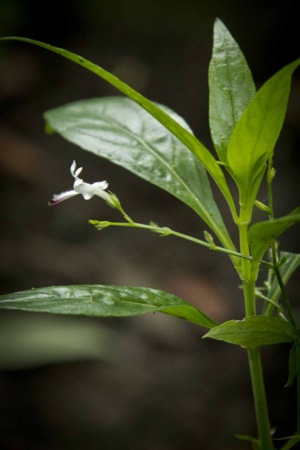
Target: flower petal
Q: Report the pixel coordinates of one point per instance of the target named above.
(87, 190)
(73, 168)
(78, 171)
(75, 172)
(100, 185)
(57, 198)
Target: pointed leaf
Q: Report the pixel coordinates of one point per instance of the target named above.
(231, 87)
(262, 234)
(103, 301)
(187, 138)
(118, 129)
(254, 332)
(254, 137)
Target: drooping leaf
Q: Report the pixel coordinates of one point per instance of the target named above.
(103, 301)
(254, 137)
(118, 129)
(262, 234)
(254, 331)
(231, 87)
(187, 138)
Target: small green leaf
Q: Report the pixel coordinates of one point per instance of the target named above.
(254, 137)
(254, 331)
(231, 87)
(118, 129)
(262, 206)
(103, 301)
(262, 234)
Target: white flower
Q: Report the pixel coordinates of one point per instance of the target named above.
(87, 190)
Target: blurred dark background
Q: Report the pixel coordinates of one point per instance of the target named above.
(148, 382)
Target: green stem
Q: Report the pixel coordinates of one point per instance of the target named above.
(285, 296)
(249, 297)
(258, 387)
(273, 251)
(260, 401)
(165, 231)
(249, 275)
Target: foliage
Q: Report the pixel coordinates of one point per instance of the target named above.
(156, 144)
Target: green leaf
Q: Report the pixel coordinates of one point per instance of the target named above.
(254, 331)
(103, 301)
(187, 138)
(262, 234)
(254, 137)
(118, 129)
(231, 87)
(291, 263)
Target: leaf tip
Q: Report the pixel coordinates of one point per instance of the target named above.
(219, 25)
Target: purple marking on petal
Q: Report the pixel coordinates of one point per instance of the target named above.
(58, 198)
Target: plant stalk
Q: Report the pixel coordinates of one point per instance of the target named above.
(258, 386)
(165, 231)
(260, 401)
(248, 275)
